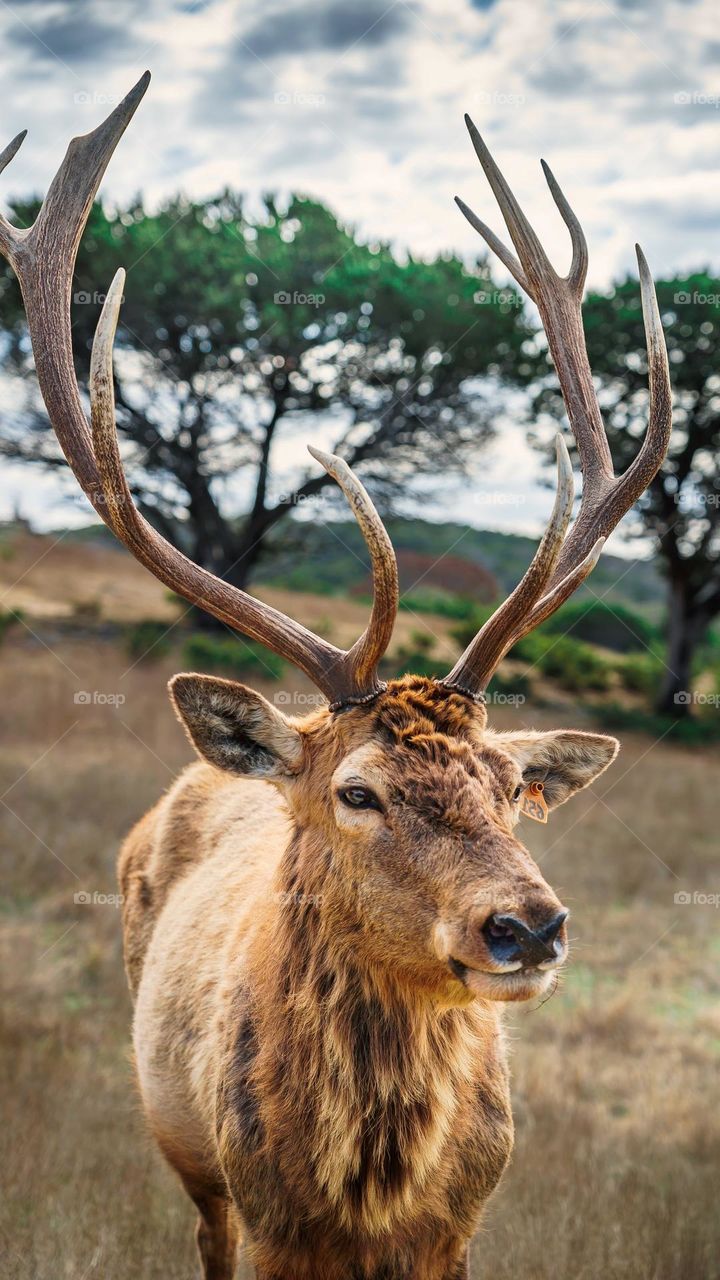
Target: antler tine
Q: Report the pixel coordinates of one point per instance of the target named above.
(533, 259)
(344, 676)
(474, 668)
(579, 265)
(366, 653)
(602, 510)
(507, 258)
(657, 436)
(12, 149)
(43, 258)
(605, 499)
(558, 301)
(7, 232)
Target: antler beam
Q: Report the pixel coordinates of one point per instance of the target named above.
(605, 497)
(43, 258)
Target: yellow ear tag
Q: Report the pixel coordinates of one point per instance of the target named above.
(533, 803)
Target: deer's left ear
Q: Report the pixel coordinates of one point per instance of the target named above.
(564, 760)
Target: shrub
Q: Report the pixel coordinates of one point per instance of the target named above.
(690, 730)
(148, 640)
(87, 611)
(469, 625)
(515, 685)
(230, 655)
(575, 665)
(445, 606)
(641, 673)
(416, 658)
(8, 620)
(611, 626)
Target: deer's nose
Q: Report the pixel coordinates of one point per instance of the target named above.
(509, 939)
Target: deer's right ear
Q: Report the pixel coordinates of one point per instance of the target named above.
(235, 728)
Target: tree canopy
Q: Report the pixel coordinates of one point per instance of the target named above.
(681, 508)
(239, 327)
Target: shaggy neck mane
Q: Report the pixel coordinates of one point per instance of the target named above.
(377, 1067)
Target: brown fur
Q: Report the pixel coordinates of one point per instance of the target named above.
(306, 1053)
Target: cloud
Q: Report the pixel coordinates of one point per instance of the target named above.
(362, 106)
(74, 37)
(335, 27)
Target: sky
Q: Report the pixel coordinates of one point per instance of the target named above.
(362, 105)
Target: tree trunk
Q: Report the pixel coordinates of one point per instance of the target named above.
(685, 631)
(240, 567)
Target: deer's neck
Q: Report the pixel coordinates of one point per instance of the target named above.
(376, 1071)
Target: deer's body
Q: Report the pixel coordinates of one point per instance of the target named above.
(357, 1124)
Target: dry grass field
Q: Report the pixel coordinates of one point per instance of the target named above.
(616, 1170)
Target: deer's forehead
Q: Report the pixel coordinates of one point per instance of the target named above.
(413, 767)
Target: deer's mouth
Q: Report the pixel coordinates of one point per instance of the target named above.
(509, 982)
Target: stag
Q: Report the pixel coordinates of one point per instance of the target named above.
(324, 915)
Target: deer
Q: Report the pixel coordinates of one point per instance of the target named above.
(326, 914)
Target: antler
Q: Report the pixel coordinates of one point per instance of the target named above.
(43, 258)
(560, 566)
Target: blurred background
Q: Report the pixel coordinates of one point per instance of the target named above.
(297, 272)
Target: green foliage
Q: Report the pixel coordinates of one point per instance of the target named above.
(563, 647)
(512, 686)
(148, 640)
(230, 655)
(441, 604)
(7, 620)
(613, 626)
(241, 321)
(691, 731)
(641, 673)
(575, 665)
(416, 657)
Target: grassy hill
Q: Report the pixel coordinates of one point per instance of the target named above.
(331, 557)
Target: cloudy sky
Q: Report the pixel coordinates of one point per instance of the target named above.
(362, 105)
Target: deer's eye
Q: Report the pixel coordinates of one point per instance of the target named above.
(359, 798)
(517, 793)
